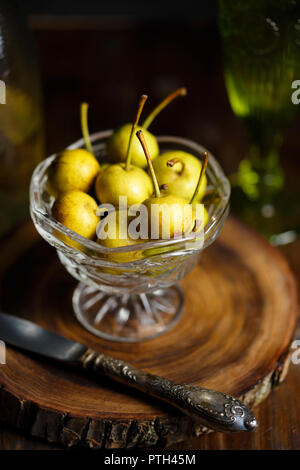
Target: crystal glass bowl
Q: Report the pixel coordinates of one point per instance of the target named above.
(137, 300)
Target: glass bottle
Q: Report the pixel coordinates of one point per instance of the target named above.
(21, 122)
(261, 51)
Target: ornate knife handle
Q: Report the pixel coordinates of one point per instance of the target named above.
(210, 408)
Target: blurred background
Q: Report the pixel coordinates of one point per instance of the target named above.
(54, 55)
(108, 53)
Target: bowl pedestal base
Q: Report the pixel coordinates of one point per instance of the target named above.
(127, 318)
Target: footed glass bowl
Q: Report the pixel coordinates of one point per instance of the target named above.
(138, 300)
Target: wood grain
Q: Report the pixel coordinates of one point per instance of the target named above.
(234, 336)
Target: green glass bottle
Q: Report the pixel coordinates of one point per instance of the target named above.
(261, 52)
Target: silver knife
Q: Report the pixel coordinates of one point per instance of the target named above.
(215, 410)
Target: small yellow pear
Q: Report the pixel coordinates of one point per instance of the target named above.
(116, 181)
(117, 146)
(76, 210)
(115, 228)
(168, 216)
(180, 171)
(72, 170)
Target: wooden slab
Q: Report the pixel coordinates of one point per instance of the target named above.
(234, 336)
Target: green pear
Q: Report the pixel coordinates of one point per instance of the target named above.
(201, 223)
(175, 216)
(116, 236)
(76, 210)
(166, 249)
(180, 171)
(116, 181)
(72, 170)
(118, 142)
(168, 216)
(125, 179)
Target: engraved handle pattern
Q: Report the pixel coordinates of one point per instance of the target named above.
(210, 408)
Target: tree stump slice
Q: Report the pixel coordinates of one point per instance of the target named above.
(234, 336)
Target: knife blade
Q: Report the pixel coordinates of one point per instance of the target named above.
(211, 408)
(27, 335)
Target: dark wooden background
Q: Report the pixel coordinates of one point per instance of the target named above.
(109, 62)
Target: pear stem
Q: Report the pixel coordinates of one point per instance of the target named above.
(142, 101)
(175, 161)
(84, 127)
(171, 163)
(204, 165)
(179, 92)
(141, 138)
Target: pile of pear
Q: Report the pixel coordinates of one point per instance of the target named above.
(133, 168)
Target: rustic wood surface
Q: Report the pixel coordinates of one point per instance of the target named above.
(234, 336)
(84, 63)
